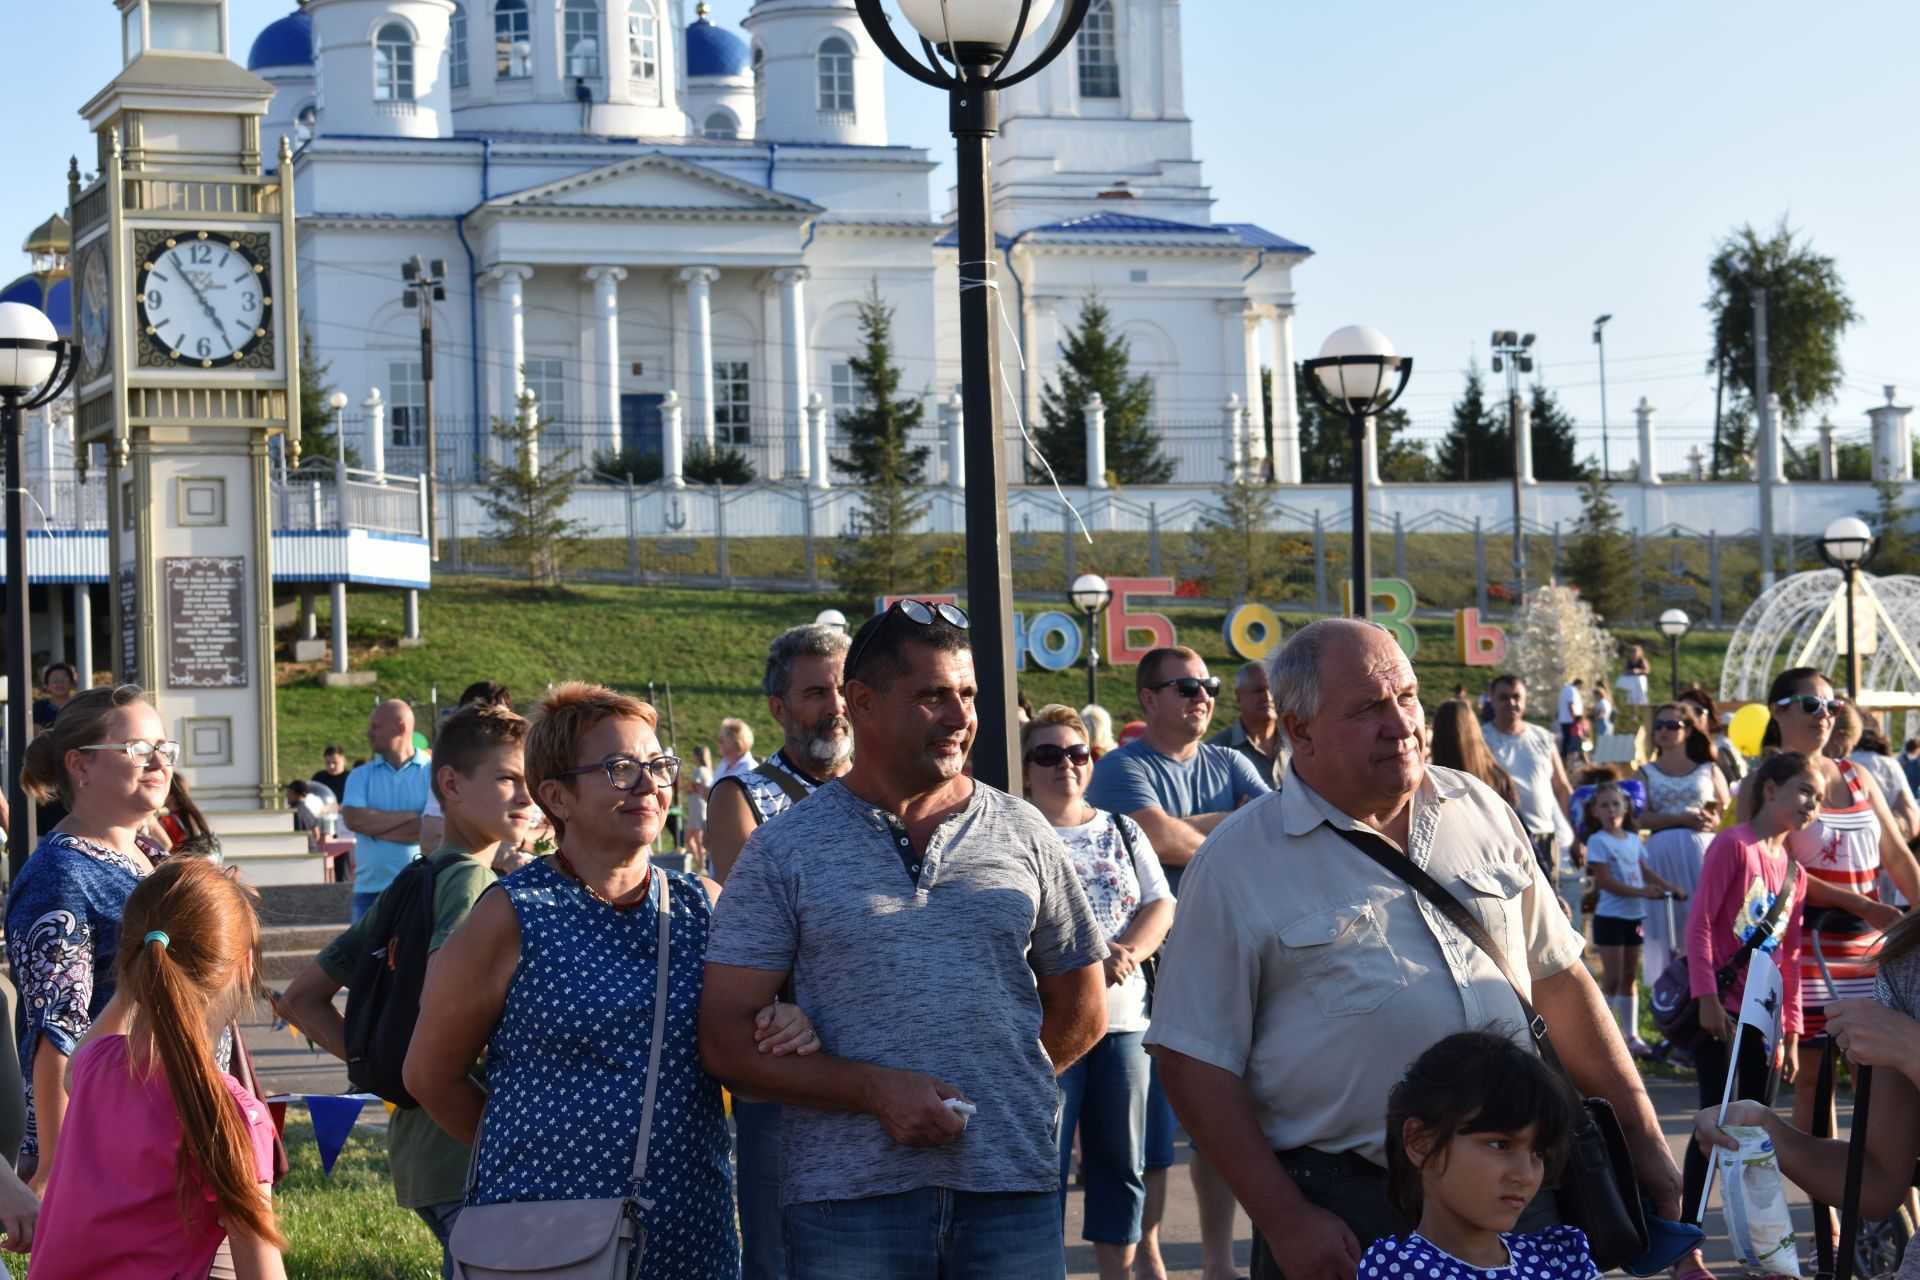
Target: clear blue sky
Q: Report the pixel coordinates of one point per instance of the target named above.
(1457, 168)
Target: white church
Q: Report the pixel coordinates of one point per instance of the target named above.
(632, 206)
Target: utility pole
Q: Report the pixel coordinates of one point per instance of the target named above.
(1600, 341)
(1763, 409)
(1513, 355)
(425, 285)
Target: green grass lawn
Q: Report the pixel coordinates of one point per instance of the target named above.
(343, 1227)
(711, 647)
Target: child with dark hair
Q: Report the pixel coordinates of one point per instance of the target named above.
(1476, 1127)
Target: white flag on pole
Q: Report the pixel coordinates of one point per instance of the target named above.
(1760, 1004)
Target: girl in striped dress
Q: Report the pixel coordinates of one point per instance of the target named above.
(1843, 853)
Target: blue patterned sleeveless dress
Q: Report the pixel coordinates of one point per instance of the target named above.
(568, 1063)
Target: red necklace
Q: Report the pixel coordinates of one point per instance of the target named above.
(627, 903)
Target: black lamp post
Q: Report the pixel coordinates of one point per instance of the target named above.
(969, 49)
(1355, 377)
(1674, 624)
(1091, 595)
(1846, 545)
(36, 365)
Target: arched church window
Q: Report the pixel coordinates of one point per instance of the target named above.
(457, 47)
(582, 32)
(512, 40)
(1099, 52)
(836, 75)
(722, 125)
(643, 42)
(759, 84)
(393, 64)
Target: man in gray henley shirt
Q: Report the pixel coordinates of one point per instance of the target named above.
(934, 930)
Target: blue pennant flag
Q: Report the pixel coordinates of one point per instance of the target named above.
(333, 1119)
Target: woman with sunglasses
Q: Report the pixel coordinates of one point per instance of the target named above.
(553, 976)
(1843, 853)
(106, 760)
(1686, 795)
(1105, 1092)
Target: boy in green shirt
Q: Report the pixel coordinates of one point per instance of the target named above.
(480, 780)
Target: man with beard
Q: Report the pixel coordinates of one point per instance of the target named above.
(934, 930)
(806, 698)
(1256, 734)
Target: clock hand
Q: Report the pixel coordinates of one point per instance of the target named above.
(199, 293)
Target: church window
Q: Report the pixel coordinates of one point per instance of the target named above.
(512, 34)
(393, 64)
(1099, 52)
(760, 84)
(732, 402)
(836, 75)
(843, 397)
(547, 380)
(457, 47)
(406, 405)
(722, 125)
(582, 33)
(643, 42)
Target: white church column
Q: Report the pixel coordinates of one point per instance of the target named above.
(606, 313)
(793, 327)
(1286, 412)
(1256, 407)
(699, 282)
(510, 335)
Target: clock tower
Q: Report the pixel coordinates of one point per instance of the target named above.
(188, 366)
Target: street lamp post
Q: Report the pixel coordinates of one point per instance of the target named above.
(1091, 595)
(969, 51)
(1600, 341)
(1845, 545)
(1513, 355)
(36, 365)
(1354, 376)
(1675, 623)
(426, 284)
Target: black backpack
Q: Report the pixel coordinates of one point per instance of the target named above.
(383, 996)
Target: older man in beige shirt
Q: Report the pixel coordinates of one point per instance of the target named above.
(1301, 978)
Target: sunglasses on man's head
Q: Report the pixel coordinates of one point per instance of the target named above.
(1812, 705)
(1191, 686)
(918, 611)
(1048, 755)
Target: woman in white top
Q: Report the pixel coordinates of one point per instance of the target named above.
(1856, 737)
(1686, 794)
(1106, 1091)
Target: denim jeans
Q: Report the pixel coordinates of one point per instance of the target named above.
(756, 1176)
(1161, 1124)
(363, 902)
(439, 1219)
(1106, 1094)
(928, 1234)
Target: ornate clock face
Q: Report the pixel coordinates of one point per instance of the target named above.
(94, 315)
(205, 298)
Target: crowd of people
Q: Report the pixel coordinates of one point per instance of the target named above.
(885, 1016)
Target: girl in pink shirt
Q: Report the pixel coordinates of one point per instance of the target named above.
(1745, 867)
(163, 1156)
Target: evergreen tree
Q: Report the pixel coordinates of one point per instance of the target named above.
(319, 426)
(1095, 358)
(883, 553)
(1326, 450)
(1599, 559)
(1553, 439)
(1896, 543)
(1231, 535)
(526, 501)
(1478, 445)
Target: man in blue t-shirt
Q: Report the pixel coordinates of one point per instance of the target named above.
(382, 803)
(1178, 788)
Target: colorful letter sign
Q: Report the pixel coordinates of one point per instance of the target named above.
(1477, 644)
(1121, 623)
(1252, 632)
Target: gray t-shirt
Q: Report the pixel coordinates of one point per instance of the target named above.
(1214, 779)
(935, 976)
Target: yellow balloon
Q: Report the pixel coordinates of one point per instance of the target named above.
(1746, 727)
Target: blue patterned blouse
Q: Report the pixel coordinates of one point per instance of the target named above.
(63, 933)
(568, 1062)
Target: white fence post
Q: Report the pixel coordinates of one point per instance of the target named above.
(817, 435)
(1892, 440)
(1096, 441)
(1643, 421)
(1829, 461)
(376, 411)
(1235, 455)
(673, 453)
(956, 440)
(1523, 428)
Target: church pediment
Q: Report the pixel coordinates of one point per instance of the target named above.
(654, 184)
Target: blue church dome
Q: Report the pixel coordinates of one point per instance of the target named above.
(286, 43)
(712, 51)
(54, 297)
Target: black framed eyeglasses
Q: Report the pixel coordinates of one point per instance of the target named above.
(140, 751)
(1671, 726)
(1048, 755)
(916, 611)
(625, 772)
(1813, 705)
(1191, 686)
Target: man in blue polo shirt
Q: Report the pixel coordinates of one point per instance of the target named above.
(383, 802)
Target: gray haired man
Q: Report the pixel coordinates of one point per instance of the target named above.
(1288, 1004)
(806, 695)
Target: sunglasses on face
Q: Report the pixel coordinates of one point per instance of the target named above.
(1811, 705)
(1191, 686)
(1671, 726)
(625, 772)
(916, 611)
(1048, 755)
(140, 751)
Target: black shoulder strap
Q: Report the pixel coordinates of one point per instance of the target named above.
(1768, 926)
(1126, 837)
(782, 779)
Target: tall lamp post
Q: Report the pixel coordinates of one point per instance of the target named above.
(1675, 623)
(969, 50)
(1357, 375)
(36, 365)
(1513, 355)
(1600, 341)
(1091, 595)
(1846, 545)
